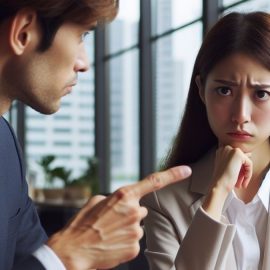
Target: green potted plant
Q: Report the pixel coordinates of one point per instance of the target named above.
(90, 176)
(50, 174)
(73, 189)
(87, 183)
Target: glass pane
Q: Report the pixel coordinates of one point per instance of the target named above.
(11, 116)
(123, 32)
(252, 5)
(229, 2)
(168, 14)
(89, 39)
(124, 119)
(7, 116)
(174, 61)
(68, 134)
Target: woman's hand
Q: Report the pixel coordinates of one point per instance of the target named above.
(233, 168)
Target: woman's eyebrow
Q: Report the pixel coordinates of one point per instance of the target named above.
(230, 83)
(263, 85)
(233, 83)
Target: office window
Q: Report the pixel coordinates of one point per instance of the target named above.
(7, 115)
(174, 56)
(229, 2)
(62, 134)
(122, 66)
(123, 83)
(11, 115)
(169, 14)
(250, 5)
(124, 30)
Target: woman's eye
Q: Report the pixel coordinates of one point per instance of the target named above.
(262, 95)
(224, 91)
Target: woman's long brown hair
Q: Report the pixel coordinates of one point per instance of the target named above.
(236, 32)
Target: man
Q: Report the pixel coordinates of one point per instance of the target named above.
(41, 53)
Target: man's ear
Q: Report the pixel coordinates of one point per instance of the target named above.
(22, 30)
(200, 87)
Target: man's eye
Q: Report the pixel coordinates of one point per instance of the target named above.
(84, 35)
(262, 95)
(224, 91)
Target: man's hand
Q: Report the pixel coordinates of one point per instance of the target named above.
(106, 232)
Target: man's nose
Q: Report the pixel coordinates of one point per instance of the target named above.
(241, 109)
(82, 61)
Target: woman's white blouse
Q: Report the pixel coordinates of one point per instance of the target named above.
(251, 222)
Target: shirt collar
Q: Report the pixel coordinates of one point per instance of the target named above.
(263, 194)
(264, 191)
(228, 201)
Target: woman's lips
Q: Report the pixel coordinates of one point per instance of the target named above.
(240, 135)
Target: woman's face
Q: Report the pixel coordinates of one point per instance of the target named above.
(237, 100)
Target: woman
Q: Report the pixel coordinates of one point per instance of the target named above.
(218, 217)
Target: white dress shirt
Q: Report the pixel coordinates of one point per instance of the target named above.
(48, 258)
(251, 223)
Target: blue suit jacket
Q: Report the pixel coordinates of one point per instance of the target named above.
(20, 229)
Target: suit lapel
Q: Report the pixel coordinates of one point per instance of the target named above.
(4, 183)
(4, 221)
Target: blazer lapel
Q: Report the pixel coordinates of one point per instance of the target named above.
(201, 177)
(195, 206)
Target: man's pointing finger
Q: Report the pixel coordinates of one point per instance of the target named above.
(159, 180)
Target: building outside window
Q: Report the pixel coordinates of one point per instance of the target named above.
(179, 34)
(247, 6)
(122, 66)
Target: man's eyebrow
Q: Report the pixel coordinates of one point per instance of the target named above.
(92, 27)
(233, 83)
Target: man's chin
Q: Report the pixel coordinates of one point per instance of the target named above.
(46, 109)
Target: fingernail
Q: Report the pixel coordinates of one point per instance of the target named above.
(185, 171)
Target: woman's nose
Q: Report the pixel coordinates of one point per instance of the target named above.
(241, 110)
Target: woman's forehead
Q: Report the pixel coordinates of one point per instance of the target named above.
(237, 65)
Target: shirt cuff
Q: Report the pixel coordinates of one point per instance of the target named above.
(48, 258)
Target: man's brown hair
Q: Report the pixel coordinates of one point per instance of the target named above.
(53, 13)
